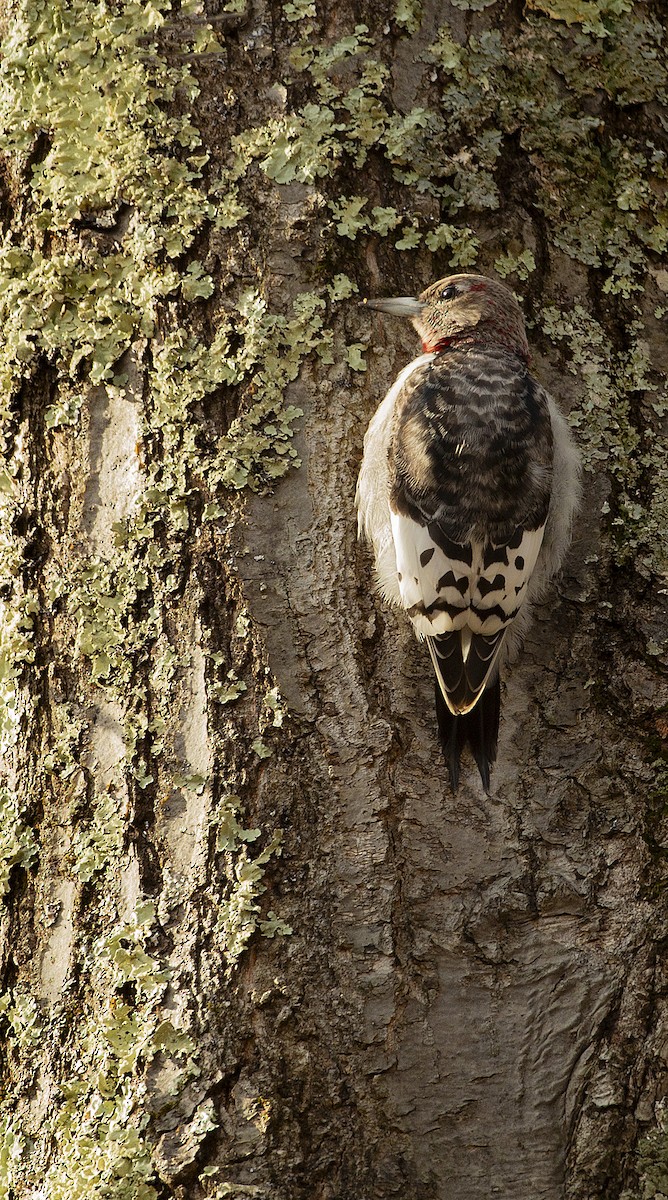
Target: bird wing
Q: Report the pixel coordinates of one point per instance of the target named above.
(462, 598)
(471, 477)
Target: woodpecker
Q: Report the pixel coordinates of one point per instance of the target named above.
(467, 490)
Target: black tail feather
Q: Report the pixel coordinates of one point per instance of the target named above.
(478, 729)
(450, 731)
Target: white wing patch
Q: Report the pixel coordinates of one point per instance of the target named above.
(506, 572)
(445, 586)
(373, 486)
(427, 577)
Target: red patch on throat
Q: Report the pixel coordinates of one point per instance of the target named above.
(436, 347)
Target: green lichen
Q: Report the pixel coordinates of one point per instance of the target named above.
(22, 1014)
(409, 14)
(604, 198)
(81, 303)
(463, 244)
(16, 651)
(88, 288)
(18, 845)
(590, 14)
(100, 1128)
(273, 926)
(62, 757)
(238, 916)
(107, 1158)
(410, 237)
(652, 1162)
(609, 383)
(231, 689)
(12, 1149)
(303, 147)
(257, 449)
(230, 834)
(520, 265)
(240, 1191)
(59, 63)
(261, 749)
(134, 172)
(103, 602)
(299, 10)
(98, 843)
(341, 288)
(347, 214)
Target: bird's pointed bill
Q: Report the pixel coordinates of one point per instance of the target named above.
(398, 306)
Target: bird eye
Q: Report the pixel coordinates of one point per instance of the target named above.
(449, 292)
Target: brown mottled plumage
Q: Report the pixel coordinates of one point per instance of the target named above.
(467, 490)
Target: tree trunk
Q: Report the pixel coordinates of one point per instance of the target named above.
(252, 945)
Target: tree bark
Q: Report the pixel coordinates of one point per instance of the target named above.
(251, 943)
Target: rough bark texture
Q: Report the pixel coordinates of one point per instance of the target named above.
(251, 943)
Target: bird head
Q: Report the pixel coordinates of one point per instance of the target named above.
(463, 310)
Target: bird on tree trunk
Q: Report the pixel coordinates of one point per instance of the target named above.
(467, 490)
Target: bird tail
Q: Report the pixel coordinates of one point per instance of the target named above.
(478, 728)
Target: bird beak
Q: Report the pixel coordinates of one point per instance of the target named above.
(399, 306)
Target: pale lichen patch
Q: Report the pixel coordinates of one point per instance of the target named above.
(112, 203)
(609, 382)
(99, 1127)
